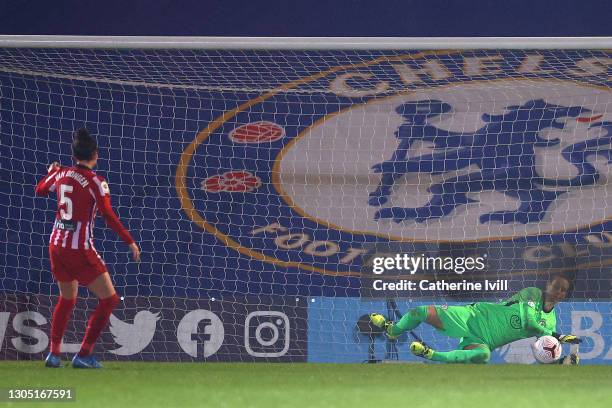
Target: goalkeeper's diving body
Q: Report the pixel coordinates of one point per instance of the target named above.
(483, 327)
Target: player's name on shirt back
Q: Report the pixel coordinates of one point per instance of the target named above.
(80, 178)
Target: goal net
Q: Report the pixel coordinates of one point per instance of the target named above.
(279, 196)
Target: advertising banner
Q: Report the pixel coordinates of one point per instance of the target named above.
(165, 329)
(344, 342)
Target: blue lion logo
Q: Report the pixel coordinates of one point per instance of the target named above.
(503, 149)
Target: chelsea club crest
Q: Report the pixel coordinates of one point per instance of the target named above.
(422, 148)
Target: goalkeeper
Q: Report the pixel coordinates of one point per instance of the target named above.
(482, 327)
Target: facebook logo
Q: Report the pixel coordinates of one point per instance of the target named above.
(200, 333)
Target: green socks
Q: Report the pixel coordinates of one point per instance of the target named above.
(408, 321)
(418, 315)
(477, 355)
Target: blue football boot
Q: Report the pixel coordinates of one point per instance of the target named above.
(85, 362)
(53, 361)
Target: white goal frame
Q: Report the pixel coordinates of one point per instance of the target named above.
(303, 43)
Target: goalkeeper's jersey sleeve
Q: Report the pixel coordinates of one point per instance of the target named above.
(519, 317)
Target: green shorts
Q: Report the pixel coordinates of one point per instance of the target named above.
(455, 321)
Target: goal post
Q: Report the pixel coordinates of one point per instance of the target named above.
(283, 188)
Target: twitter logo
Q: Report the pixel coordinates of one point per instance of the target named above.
(133, 338)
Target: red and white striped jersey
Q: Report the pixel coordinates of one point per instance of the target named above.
(80, 194)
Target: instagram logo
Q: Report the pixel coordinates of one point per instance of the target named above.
(266, 334)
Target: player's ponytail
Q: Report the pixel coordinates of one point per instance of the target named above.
(84, 146)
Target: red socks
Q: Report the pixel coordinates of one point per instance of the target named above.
(61, 316)
(97, 322)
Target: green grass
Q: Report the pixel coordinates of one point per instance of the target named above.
(131, 384)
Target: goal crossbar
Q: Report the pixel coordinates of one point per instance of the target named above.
(303, 43)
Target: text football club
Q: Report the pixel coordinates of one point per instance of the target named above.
(417, 153)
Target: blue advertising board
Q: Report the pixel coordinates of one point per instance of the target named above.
(342, 341)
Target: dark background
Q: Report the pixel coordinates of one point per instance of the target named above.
(403, 18)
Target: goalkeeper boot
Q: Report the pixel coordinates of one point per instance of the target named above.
(381, 322)
(85, 362)
(420, 349)
(572, 359)
(53, 361)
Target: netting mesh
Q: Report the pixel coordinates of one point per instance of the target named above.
(262, 185)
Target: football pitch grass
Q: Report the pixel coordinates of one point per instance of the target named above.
(142, 384)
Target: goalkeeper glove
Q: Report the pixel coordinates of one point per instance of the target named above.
(572, 359)
(568, 338)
